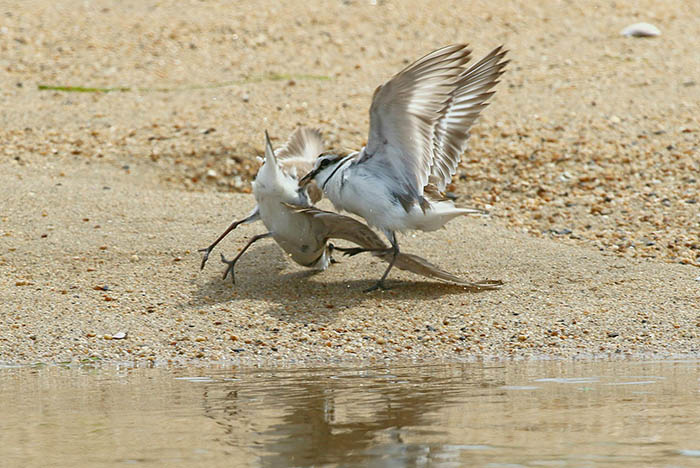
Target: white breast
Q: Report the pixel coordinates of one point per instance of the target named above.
(293, 231)
(363, 193)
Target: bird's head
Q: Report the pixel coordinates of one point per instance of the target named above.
(323, 170)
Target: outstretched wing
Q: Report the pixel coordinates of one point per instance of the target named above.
(344, 227)
(451, 130)
(404, 111)
(298, 155)
(420, 119)
(301, 149)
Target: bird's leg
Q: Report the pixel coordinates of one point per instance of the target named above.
(352, 251)
(395, 247)
(208, 250)
(331, 248)
(232, 263)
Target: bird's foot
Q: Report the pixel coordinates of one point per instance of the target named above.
(229, 269)
(206, 251)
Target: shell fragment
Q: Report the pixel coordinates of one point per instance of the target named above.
(641, 30)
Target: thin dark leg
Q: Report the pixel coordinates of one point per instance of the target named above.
(352, 251)
(380, 284)
(232, 263)
(331, 248)
(208, 250)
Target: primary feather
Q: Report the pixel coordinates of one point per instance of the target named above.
(420, 118)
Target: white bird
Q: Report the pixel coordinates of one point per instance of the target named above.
(419, 127)
(276, 183)
(302, 230)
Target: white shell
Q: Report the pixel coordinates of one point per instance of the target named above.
(641, 30)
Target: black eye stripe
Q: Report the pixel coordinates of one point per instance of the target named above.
(340, 164)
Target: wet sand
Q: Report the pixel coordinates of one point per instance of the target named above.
(587, 160)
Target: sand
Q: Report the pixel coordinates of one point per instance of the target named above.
(143, 150)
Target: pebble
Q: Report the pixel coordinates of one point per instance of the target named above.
(119, 335)
(641, 30)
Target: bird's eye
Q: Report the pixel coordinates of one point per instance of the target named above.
(324, 163)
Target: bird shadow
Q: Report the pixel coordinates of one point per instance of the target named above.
(262, 275)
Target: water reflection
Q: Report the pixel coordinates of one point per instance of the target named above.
(514, 414)
(344, 416)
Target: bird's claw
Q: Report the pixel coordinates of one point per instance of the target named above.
(206, 251)
(229, 269)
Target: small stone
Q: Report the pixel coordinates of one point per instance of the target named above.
(200, 338)
(245, 97)
(641, 30)
(522, 338)
(119, 335)
(211, 174)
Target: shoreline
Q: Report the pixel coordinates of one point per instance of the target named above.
(84, 261)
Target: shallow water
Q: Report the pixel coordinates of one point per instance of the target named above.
(596, 414)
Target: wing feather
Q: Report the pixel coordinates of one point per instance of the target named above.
(338, 226)
(466, 101)
(404, 110)
(298, 155)
(420, 118)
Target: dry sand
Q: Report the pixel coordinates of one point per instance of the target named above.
(587, 159)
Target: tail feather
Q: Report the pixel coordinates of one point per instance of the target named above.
(438, 215)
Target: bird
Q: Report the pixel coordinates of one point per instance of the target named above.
(304, 231)
(277, 182)
(419, 125)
